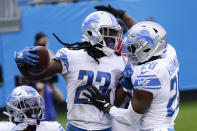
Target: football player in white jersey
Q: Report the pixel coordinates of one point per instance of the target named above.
(93, 61)
(25, 108)
(121, 99)
(154, 76)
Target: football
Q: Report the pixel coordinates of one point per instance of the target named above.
(41, 67)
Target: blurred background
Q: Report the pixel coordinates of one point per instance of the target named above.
(20, 20)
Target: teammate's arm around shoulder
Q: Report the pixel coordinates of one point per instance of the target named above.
(118, 13)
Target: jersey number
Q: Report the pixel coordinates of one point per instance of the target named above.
(89, 75)
(175, 98)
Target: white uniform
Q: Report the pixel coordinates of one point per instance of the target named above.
(117, 126)
(161, 78)
(44, 126)
(81, 70)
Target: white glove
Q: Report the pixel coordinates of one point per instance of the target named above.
(20, 127)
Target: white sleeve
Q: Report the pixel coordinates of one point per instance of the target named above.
(125, 116)
(62, 56)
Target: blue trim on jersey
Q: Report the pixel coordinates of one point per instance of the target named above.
(146, 76)
(150, 83)
(171, 130)
(152, 88)
(70, 127)
(63, 57)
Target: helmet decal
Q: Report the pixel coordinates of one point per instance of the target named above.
(113, 19)
(144, 34)
(93, 19)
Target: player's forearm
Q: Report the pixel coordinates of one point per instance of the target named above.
(119, 96)
(124, 116)
(129, 21)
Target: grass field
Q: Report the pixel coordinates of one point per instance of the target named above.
(186, 120)
(187, 117)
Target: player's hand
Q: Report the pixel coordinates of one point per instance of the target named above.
(20, 127)
(26, 56)
(125, 79)
(96, 98)
(118, 13)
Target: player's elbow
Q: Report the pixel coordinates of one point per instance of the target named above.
(125, 116)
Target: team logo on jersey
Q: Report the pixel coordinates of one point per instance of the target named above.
(148, 83)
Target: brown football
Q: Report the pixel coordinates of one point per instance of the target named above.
(44, 60)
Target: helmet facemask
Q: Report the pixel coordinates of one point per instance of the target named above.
(29, 110)
(111, 36)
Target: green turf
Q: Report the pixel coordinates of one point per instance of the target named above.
(61, 118)
(185, 121)
(187, 117)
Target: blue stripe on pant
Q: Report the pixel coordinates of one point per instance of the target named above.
(171, 130)
(70, 127)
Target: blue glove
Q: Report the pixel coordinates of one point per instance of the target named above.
(20, 127)
(125, 80)
(26, 56)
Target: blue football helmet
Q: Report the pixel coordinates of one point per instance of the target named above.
(25, 105)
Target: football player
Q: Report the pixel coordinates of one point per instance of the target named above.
(25, 108)
(121, 98)
(92, 61)
(154, 76)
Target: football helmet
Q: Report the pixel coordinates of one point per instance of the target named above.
(144, 40)
(25, 105)
(102, 30)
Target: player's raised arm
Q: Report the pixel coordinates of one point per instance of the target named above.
(118, 13)
(27, 60)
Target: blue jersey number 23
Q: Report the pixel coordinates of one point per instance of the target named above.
(89, 75)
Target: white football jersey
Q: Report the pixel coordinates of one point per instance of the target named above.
(117, 126)
(161, 78)
(79, 71)
(43, 126)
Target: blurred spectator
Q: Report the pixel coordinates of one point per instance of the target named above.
(47, 88)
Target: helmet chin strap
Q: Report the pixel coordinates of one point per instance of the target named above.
(107, 50)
